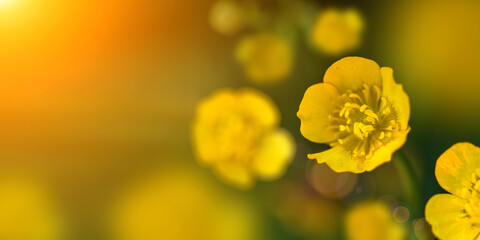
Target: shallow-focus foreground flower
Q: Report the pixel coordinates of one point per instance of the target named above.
(457, 215)
(360, 111)
(266, 57)
(236, 133)
(337, 31)
(227, 17)
(372, 221)
(27, 211)
(180, 204)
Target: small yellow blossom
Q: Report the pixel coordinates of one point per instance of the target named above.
(372, 221)
(266, 57)
(180, 205)
(236, 133)
(457, 215)
(227, 17)
(359, 111)
(336, 32)
(27, 212)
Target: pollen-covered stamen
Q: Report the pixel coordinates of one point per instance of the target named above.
(364, 120)
(471, 193)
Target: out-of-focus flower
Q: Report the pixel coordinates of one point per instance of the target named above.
(360, 111)
(457, 215)
(27, 212)
(372, 221)
(336, 32)
(236, 133)
(227, 17)
(181, 205)
(266, 57)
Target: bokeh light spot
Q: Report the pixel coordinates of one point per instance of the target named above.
(401, 214)
(422, 229)
(329, 183)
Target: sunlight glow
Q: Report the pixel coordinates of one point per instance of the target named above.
(5, 2)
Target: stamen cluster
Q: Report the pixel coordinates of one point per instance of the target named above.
(364, 121)
(471, 192)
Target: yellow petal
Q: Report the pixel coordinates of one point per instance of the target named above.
(316, 106)
(246, 101)
(352, 73)
(396, 95)
(339, 160)
(275, 155)
(204, 143)
(259, 106)
(210, 108)
(384, 153)
(444, 213)
(372, 221)
(457, 165)
(235, 175)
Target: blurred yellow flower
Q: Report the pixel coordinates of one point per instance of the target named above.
(27, 212)
(336, 32)
(359, 111)
(267, 58)
(372, 221)
(227, 17)
(180, 205)
(457, 215)
(236, 133)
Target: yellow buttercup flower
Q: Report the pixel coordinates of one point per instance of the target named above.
(266, 57)
(227, 17)
(336, 31)
(27, 212)
(180, 204)
(236, 133)
(372, 221)
(360, 111)
(457, 215)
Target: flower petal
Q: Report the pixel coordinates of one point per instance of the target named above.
(384, 153)
(316, 106)
(213, 106)
(396, 95)
(339, 160)
(456, 165)
(372, 221)
(204, 144)
(259, 106)
(444, 213)
(209, 110)
(235, 175)
(352, 72)
(275, 155)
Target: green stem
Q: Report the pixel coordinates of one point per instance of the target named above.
(409, 180)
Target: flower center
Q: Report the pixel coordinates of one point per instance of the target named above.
(364, 121)
(471, 192)
(238, 137)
